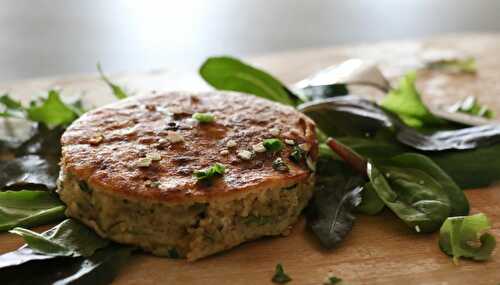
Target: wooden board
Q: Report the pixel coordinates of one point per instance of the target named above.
(380, 249)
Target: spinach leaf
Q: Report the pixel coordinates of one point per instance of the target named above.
(116, 89)
(467, 237)
(100, 268)
(471, 106)
(337, 192)
(227, 73)
(28, 209)
(370, 204)
(69, 238)
(422, 207)
(405, 101)
(417, 191)
(473, 168)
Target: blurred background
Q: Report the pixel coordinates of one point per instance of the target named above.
(54, 37)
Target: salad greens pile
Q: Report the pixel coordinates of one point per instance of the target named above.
(394, 155)
(30, 152)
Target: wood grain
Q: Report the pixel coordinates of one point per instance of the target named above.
(380, 249)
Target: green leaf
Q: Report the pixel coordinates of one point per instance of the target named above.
(405, 101)
(332, 280)
(69, 238)
(280, 276)
(12, 108)
(52, 111)
(371, 204)
(330, 214)
(273, 145)
(116, 89)
(471, 106)
(205, 175)
(204, 117)
(28, 209)
(99, 269)
(417, 191)
(227, 73)
(466, 237)
(465, 65)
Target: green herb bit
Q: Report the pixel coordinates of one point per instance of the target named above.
(466, 236)
(280, 165)
(280, 276)
(117, 90)
(204, 118)
(297, 154)
(207, 174)
(273, 144)
(333, 280)
(471, 106)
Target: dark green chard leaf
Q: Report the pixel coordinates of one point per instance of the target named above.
(467, 237)
(280, 276)
(227, 73)
(28, 209)
(338, 192)
(405, 101)
(100, 268)
(69, 238)
(116, 89)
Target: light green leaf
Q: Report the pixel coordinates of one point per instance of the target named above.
(28, 208)
(52, 111)
(466, 237)
(405, 101)
(227, 73)
(69, 238)
(116, 89)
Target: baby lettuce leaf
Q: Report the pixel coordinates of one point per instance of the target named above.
(338, 192)
(11, 107)
(100, 268)
(28, 209)
(51, 111)
(69, 238)
(466, 237)
(116, 89)
(405, 101)
(227, 73)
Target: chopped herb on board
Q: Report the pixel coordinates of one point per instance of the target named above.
(280, 276)
(333, 280)
(204, 118)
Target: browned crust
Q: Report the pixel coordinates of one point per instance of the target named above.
(103, 146)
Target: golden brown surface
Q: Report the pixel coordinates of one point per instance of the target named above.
(105, 146)
(380, 249)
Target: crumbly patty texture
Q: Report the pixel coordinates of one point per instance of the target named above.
(110, 147)
(127, 171)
